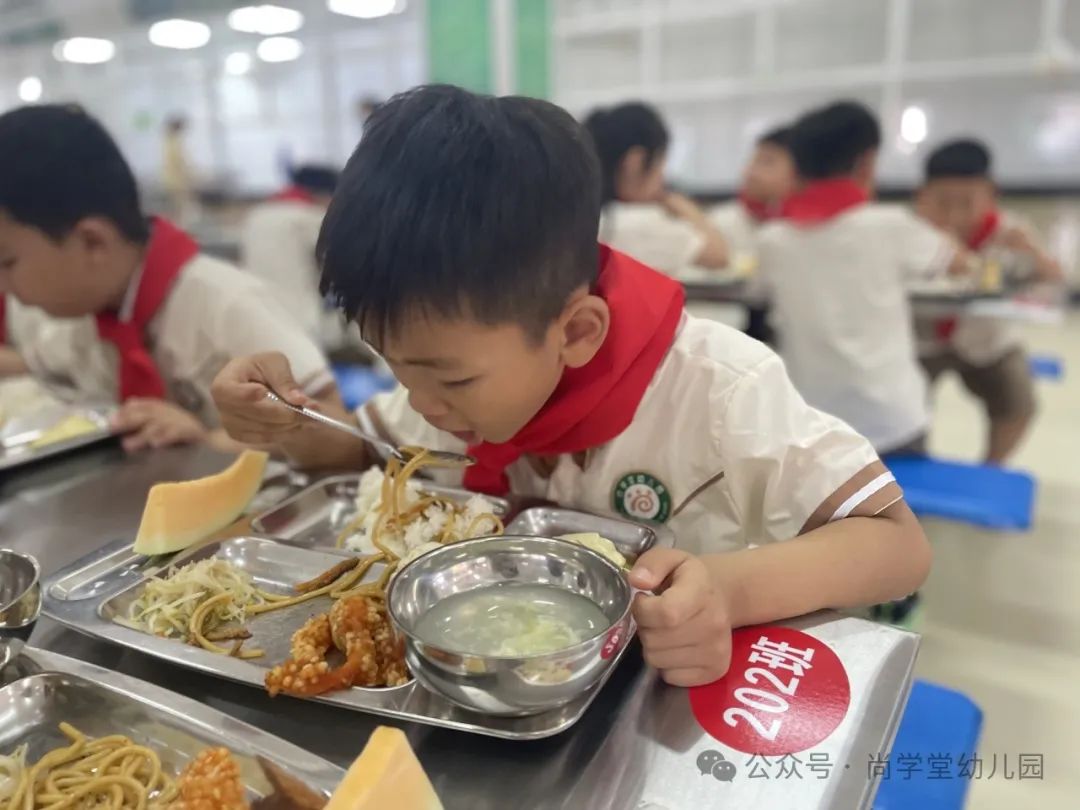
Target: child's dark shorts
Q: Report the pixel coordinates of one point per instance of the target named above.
(1005, 386)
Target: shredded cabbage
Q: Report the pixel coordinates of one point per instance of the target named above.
(166, 603)
(601, 545)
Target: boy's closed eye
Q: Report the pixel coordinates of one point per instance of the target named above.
(459, 383)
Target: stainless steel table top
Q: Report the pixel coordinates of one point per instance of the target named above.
(639, 746)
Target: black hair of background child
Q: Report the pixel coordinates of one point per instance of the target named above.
(963, 157)
(59, 166)
(617, 130)
(315, 178)
(462, 205)
(780, 137)
(828, 142)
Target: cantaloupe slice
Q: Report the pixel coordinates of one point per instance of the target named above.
(182, 513)
(385, 775)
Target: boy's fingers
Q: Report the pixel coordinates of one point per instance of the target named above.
(676, 658)
(655, 566)
(656, 638)
(679, 603)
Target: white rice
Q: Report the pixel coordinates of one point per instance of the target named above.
(422, 531)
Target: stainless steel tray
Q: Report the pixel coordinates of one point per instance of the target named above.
(27, 454)
(315, 516)
(87, 594)
(42, 689)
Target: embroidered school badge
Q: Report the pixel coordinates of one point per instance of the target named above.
(641, 496)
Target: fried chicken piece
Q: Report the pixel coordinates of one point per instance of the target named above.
(307, 659)
(211, 781)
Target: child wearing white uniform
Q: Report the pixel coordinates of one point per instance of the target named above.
(124, 309)
(836, 267)
(571, 371)
(986, 352)
(665, 230)
(768, 180)
(277, 243)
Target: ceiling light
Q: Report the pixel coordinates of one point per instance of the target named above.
(30, 89)
(365, 9)
(265, 19)
(85, 50)
(238, 64)
(913, 125)
(279, 49)
(181, 34)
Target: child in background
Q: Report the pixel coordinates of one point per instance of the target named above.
(959, 196)
(572, 373)
(278, 244)
(767, 181)
(661, 228)
(836, 268)
(121, 308)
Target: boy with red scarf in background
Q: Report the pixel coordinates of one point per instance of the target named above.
(837, 267)
(277, 243)
(767, 181)
(462, 240)
(959, 196)
(121, 308)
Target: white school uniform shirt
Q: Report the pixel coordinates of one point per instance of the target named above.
(277, 243)
(840, 300)
(722, 448)
(651, 235)
(214, 312)
(982, 339)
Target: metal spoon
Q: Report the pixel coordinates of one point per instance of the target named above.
(403, 455)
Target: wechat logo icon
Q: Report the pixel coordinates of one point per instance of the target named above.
(713, 762)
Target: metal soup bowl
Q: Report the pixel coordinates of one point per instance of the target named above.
(20, 601)
(510, 685)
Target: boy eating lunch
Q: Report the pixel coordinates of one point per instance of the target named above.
(462, 239)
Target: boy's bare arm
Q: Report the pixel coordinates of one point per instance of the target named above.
(849, 563)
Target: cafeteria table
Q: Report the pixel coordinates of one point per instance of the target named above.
(818, 699)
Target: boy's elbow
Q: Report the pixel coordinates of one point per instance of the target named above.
(913, 549)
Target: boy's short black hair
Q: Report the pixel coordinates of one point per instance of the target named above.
(779, 136)
(963, 157)
(315, 178)
(460, 204)
(829, 141)
(59, 166)
(617, 130)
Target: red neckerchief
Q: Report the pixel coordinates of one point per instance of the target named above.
(167, 253)
(945, 328)
(293, 194)
(759, 210)
(985, 230)
(821, 200)
(595, 403)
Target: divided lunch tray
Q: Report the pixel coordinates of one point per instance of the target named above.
(19, 455)
(89, 593)
(40, 690)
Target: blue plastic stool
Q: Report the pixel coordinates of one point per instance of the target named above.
(358, 384)
(1046, 367)
(980, 494)
(938, 727)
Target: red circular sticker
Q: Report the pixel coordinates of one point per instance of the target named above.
(613, 643)
(786, 691)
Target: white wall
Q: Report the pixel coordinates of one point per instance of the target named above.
(724, 70)
(240, 125)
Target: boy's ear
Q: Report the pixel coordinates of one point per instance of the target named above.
(584, 324)
(96, 236)
(866, 169)
(630, 167)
